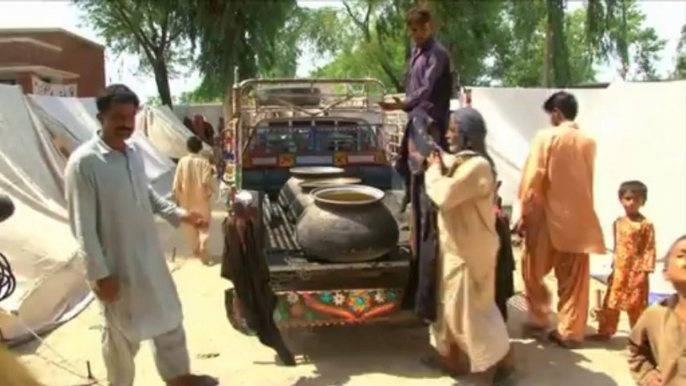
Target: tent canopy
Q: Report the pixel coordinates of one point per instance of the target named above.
(74, 120)
(36, 239)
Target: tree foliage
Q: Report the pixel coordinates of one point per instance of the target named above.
(680, 70)
(155, 31)
(254, 37)
(508, 42)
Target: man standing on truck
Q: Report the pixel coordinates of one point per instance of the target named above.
(427, 101)
(111, 206)
(429, 81)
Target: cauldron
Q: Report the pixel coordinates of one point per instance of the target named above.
(301, 174)
(347, 224)
(303, 199)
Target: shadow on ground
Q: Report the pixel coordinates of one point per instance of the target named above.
(341, 353)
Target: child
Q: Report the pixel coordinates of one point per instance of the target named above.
(634, 260)
(657, 345)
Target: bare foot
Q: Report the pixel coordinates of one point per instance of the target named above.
(599, 337)
(556, 338)
(437, 363)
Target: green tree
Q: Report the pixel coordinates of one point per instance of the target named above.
(522, 49)
(372, 38)
(155, 31)
(680, 69)
(154, 101)
(254, 37)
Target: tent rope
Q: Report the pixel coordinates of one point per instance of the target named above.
(67, 366)
(8, 283)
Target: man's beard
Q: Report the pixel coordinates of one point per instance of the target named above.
(457, 146)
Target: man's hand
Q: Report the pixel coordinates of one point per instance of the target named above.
(519, 228)
(195, 219)
(107, 289)
(654, 378)
(397, 104)
(434, 159)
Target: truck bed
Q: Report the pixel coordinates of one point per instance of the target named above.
(291, 270)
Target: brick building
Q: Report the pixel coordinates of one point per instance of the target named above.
(51, 61)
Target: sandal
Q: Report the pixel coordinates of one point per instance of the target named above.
(531, 330)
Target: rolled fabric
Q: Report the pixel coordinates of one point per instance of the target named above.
(6, 207)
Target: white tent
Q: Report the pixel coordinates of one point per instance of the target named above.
(74, 121)
(36, 239)
(164, 130)
(513, 116)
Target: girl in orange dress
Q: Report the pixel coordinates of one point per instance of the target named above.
(634, 260)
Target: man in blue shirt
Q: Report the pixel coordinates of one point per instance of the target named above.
(427, 102)
(429, 82)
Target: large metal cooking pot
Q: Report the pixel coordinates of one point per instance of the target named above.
(304, 199)
(347, 224)
(301, 174)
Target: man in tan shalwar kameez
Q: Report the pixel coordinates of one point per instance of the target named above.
(559, 222)
(193, 188)
(468, 323)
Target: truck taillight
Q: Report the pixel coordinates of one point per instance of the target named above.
(247, 161)
(286, 160)
(340, 159)
(380, 157)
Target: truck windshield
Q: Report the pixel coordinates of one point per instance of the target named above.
(304, 138)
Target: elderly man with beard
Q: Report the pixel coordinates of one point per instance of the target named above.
(111, 207)
(469, 327)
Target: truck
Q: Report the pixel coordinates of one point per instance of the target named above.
(279, 124)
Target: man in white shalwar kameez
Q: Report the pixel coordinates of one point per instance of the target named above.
(462, 186)
(111, 206)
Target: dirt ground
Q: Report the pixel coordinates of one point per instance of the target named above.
(357, 356)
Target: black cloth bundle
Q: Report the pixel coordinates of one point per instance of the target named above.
(243, 264)
(422, 137)
(6, 207)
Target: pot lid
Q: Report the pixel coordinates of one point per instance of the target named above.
(330, 182)
(348, 195)
(314, 171)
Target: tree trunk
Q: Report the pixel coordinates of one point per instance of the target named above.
(162, 82)
(547, 50)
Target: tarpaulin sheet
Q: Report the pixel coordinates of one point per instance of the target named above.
(36, 239)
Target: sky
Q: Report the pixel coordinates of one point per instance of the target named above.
(667, 17)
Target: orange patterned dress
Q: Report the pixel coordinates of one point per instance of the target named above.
(634, 258)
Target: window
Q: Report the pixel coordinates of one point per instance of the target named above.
(302, 137)
(279, 140)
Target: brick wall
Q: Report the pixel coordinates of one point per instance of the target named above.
(77, 56)
(24, 53)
